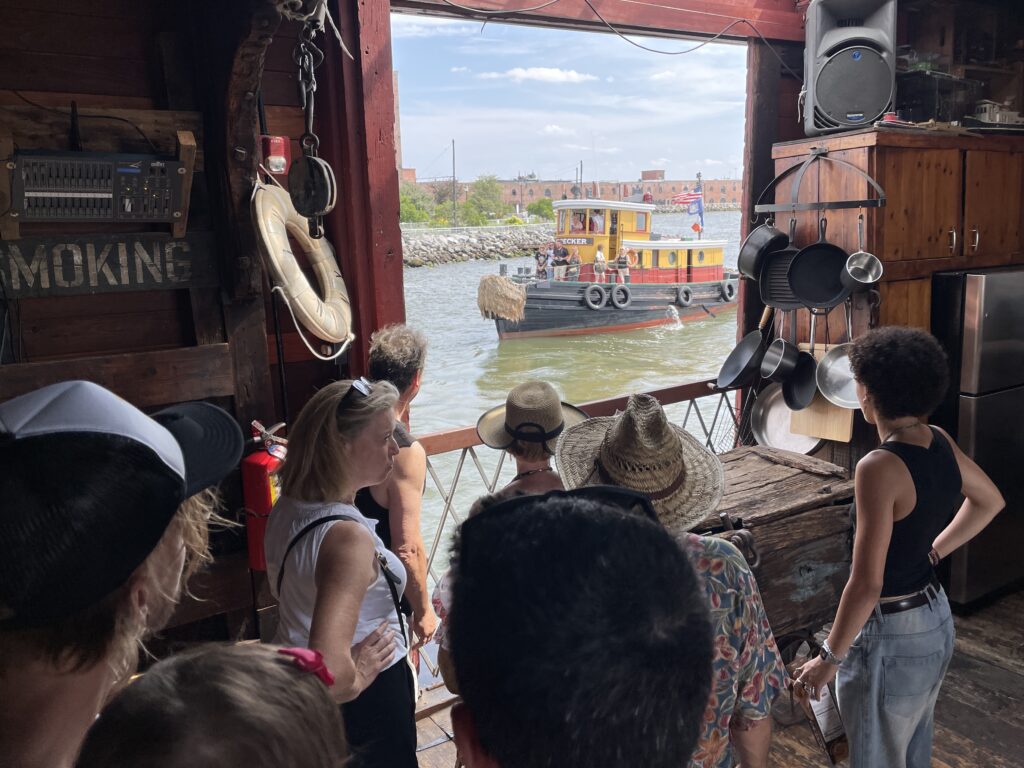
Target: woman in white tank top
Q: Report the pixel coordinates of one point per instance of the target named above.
(336, 584)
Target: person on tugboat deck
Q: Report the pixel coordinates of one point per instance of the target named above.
(640, 450)
(893, 634)
(541, 265)
(609, 663)
(600, 265)
(573, 273)
(397, 355)
(528, 426)
(104, 519)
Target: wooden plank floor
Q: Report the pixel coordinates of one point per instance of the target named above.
(979, 716)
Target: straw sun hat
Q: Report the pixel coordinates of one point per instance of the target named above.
(641, 450)
(533, 413)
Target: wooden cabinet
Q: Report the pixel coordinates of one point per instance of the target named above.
(993, 183)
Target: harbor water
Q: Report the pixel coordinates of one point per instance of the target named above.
(468, 370)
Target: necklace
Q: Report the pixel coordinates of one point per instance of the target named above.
(915, 423)
(529, 472)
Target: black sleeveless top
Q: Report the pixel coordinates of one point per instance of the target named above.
(937, 482)
(365, 502)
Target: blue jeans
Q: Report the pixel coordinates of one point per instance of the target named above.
(888, 685)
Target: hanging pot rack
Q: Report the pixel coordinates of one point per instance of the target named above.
(817, 154)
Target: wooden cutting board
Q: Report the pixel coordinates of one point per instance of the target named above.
(821, 418)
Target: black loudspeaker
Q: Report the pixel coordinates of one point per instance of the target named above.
(849, 64)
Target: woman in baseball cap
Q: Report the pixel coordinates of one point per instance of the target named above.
(104, 511)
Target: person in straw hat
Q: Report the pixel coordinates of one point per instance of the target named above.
(528, 426)
(641, 450)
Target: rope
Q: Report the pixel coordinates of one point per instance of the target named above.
(298, 327)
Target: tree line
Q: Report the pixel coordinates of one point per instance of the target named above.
(432, 204)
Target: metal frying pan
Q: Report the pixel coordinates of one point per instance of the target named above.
(834, 377)
(744, 362)
(774, 281)
(769, 423)
(801, 386)
(815, 273)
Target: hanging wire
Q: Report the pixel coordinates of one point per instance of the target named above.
(89, 117)
(502, 12)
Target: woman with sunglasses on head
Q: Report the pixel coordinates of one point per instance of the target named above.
(892, 638)
(336, 584)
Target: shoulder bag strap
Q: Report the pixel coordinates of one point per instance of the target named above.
(389, 575)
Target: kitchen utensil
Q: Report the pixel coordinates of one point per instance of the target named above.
(760, 242)
(815, 273)
(821, 419)
(801, 386)
(774, 281)
(862, 269)
(780, 358)
(770, 423)
(834, 377)
(743, 363)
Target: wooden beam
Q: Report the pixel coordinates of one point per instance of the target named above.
(146, 379)
(775, 19)
(357, 135)
(186, 156)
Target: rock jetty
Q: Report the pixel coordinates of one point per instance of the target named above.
(429, 247)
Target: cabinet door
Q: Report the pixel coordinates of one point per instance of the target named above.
(992, 206)
(921, 217)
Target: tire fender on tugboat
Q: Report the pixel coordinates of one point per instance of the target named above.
(595, 296)
(728, 290)
(684, 296)
(621, 296)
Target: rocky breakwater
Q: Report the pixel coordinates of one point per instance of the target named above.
(429, 247)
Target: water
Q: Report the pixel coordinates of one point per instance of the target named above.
(469, 371)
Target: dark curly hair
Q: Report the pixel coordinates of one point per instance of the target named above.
(905, 370)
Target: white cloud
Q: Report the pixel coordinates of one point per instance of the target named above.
(557, 130)
(709, 161)
(609, 79)
(540, 74)
(409, 27)
(459, 69)
(659, 161)
(663, 75)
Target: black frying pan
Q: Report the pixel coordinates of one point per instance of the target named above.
(774, 281)
(802, 385)
(744, 362)
(760, 242)
(816, 273)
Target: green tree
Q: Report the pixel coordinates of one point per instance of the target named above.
(541, 208)
(415, 203)
(485, 199)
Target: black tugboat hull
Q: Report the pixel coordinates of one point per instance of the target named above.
(559, 309)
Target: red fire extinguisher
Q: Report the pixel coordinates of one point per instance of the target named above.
(260, 489)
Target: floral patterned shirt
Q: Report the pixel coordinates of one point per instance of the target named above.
(747, 667)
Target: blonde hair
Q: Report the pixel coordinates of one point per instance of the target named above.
(112, 629)
(528, 451)
(225, 705)
(333, 417)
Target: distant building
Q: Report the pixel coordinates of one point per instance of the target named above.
(718, 193)
(652, 175)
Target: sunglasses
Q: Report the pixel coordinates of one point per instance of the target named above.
(361, 385)
(623, 499)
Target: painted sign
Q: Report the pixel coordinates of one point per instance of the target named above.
(576, 240)
(66, 265)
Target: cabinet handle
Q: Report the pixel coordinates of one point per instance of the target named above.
(952, 242)
(976, 240)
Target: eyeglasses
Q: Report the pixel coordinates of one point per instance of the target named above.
(623, 499)
(361, 385)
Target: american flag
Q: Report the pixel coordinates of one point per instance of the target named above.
(686, 198)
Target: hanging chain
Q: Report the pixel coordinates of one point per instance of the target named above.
(308, 57)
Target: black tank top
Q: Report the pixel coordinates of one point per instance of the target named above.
(365, 502)
(937, 482)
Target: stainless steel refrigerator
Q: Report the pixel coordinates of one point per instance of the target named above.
(979, 318)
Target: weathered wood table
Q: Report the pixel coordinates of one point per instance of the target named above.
(791, 515)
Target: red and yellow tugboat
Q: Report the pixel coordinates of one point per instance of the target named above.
(646, 280)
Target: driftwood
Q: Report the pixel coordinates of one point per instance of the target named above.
(796, 509)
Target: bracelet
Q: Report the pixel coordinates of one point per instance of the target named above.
(934, 557)
(828, 656)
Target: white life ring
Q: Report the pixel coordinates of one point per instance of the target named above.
(330, 317)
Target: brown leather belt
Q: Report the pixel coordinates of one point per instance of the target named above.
(915, 600)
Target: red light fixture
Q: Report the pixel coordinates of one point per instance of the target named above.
(276, 154)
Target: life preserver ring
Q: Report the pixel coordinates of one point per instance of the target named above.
(595, 296)
(329, 317)
(621, 296)
(684, 296)
(728, 290)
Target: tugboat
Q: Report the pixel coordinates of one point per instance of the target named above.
(666, 281)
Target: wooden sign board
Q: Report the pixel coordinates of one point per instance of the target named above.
(68, 265)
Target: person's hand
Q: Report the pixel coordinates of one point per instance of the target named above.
(372, 654)
(423, 628)
(814, 675)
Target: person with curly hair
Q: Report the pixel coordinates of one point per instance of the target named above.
(892, 638)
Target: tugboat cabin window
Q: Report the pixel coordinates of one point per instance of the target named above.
(700, 257)
(579, 219)
(563, 217)
(641, 222)
(673, 258)
(595, 222)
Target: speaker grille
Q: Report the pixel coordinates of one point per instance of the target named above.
(849, 22)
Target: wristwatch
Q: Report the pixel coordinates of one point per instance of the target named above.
(828, 656)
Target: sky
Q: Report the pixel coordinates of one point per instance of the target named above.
(520, 99)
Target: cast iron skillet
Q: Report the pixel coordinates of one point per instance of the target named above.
(816, 273)
(744, 362)
(774, 280)
(760, 242)
(800, 388)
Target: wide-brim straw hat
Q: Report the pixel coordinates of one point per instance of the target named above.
(640, 449)
(532, 413)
